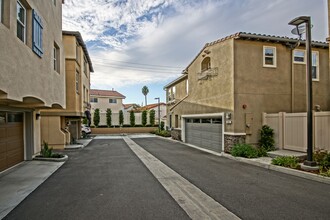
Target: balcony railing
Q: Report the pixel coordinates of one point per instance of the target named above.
(208, 73)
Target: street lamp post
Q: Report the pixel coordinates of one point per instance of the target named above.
(158, 113)
(296, 22)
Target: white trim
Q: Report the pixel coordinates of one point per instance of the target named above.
(274, 57)
(220, 114)
(297, 62)
(235, 134)
(317, 65)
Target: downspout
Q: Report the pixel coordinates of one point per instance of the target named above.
(292, 82)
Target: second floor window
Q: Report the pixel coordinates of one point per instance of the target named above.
(299, 56)
(77, 82)
(93, 99)
(315, 65)
(21, 21)
(1, 12)
(112, 100)
(37, 34)
(85, 65)
(56, 58)
(269, 59)
(206, 64)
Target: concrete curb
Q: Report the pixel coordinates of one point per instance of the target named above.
(62, 159)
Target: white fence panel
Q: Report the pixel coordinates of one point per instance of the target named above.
(322, 130)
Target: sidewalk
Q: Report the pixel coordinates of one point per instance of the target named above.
(18, 182)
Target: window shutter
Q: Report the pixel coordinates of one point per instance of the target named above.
(37, 28)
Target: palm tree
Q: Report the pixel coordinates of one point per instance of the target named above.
(145, 92)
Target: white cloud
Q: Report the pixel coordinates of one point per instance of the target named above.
(171, 32)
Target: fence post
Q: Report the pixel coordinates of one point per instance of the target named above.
(283, 129)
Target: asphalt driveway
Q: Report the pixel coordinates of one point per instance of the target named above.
(248, 191)
(103, 181)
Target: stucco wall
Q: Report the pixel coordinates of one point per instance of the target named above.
(263, 89)
(214, 94)
(23, 73)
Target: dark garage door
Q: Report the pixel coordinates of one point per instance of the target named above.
(11, 139)
(204, 132)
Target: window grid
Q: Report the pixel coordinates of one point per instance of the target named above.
(21, 19)
(269, 56)
(315, 66)
(113, 101)
(299, 57)
(93, 99)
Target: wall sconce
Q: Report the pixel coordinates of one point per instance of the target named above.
(244, 106)
(37, 116)
(228, 115)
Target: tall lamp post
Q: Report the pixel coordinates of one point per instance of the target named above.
(307, 21)
(158, 113)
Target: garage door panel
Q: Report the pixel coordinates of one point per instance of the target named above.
(205, 135)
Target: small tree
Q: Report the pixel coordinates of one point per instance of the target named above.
(108, 115)
(144, 118)
(121, 118)
(162, 124)
(85, 121)
(96, 118)
(132, 118)
(152, 117)
(267, 138)
(145, 92)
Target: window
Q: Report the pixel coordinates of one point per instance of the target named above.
(206, 64)
(112, 100)
(173, 92)
(269, 58)
(315, 65)
(21, 21)
(94, 99)
(77, 52)
(299, 56)
(37, 34)
(77, 82)
(85, 66)
(84, 93)
(1, 12)
(56, 58)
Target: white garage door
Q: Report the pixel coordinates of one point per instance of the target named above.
(204, 132)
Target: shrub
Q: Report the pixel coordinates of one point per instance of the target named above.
(121, 117)
(267, 138)
(286, 161)
(132, 118)
(85, 121)
(144, 118)
(162, 124)
(46, 151)
(244, 150)
(96, 118)
(162, 133)
(108, 116)
(322, 158)
(152, 117)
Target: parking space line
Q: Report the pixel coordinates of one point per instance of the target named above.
(192, 200)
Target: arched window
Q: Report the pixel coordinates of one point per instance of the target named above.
(206, 64)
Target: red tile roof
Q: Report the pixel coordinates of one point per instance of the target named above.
(110, 93)
(151, 106)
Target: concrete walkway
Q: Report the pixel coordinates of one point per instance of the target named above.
(18, 182)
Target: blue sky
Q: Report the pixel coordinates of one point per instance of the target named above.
(133, 43)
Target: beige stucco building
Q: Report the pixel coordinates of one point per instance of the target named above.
(104, 99)
(61, 127)
(32, 74)
(220, 98)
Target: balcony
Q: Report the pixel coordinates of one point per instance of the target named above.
(208, 73)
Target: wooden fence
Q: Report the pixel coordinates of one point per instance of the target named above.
(291, 130)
